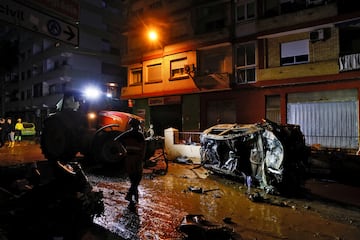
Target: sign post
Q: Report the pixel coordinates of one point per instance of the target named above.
(36, 21)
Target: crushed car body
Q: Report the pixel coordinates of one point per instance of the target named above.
(265, 155)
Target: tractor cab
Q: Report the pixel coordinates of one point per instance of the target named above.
(85, 103)
(99, 110)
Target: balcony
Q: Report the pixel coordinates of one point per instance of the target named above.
(349, 62)
(213, 81)
(287, 20)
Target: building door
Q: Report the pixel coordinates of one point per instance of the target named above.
(273, 112)
(328, 118)
(165, 116)
(220, 111)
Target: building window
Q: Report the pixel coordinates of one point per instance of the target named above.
(154, 73)
(38, 90)
(37, 48)
(49, 65)
(28, 94)
(47, 44)
(105, 45)
(349, 40)
(295, 52)
(245, 11)
(211, 18)
(245, 63)
(29, 53)
(177, 69)
(271, 8)
(55, 88)
(136, 77)
(28, 74)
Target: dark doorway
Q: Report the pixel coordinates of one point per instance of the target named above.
(165, 116)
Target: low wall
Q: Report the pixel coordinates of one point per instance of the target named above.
(174, 150)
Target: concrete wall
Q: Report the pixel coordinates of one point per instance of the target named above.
(174, 150)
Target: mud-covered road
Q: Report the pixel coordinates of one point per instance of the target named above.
(166, 199)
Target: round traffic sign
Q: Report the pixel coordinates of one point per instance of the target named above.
(54, 27)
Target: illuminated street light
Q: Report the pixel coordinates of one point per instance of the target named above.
(154, 38)
(153, 35)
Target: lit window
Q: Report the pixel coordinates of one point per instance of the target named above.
(136, 76)
(295, 52)
(245, 63)
(245, 11)
(177, 68)
(154, 73)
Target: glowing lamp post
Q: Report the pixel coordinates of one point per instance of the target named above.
(154, 38)
(152, 35)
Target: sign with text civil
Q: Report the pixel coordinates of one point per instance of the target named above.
(36, 21)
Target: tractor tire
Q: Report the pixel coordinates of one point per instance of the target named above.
(55, 141)
(106, 150)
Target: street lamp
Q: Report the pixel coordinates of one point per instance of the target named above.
(154, 38)
(152, 35)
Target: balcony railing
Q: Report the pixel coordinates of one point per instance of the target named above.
(349, 62)
(188, 138)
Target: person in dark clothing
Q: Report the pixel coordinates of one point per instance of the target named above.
(134, 142)
(10, 132)
(2, 132)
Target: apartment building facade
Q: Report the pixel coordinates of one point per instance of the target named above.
(47, 67)
(290, 61)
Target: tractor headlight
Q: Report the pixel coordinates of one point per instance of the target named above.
(92, 93)
(91, 115)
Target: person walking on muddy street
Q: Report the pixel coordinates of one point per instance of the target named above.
(10, 131)
(2, 132)
(18, 128)
(134, 142)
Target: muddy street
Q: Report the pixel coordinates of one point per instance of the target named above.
(166, 199)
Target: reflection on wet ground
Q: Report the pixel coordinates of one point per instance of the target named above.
(22, 152)
(165, 200)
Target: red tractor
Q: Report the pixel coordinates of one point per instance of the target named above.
(86, 126)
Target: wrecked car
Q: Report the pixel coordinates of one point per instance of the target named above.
(265, 155)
